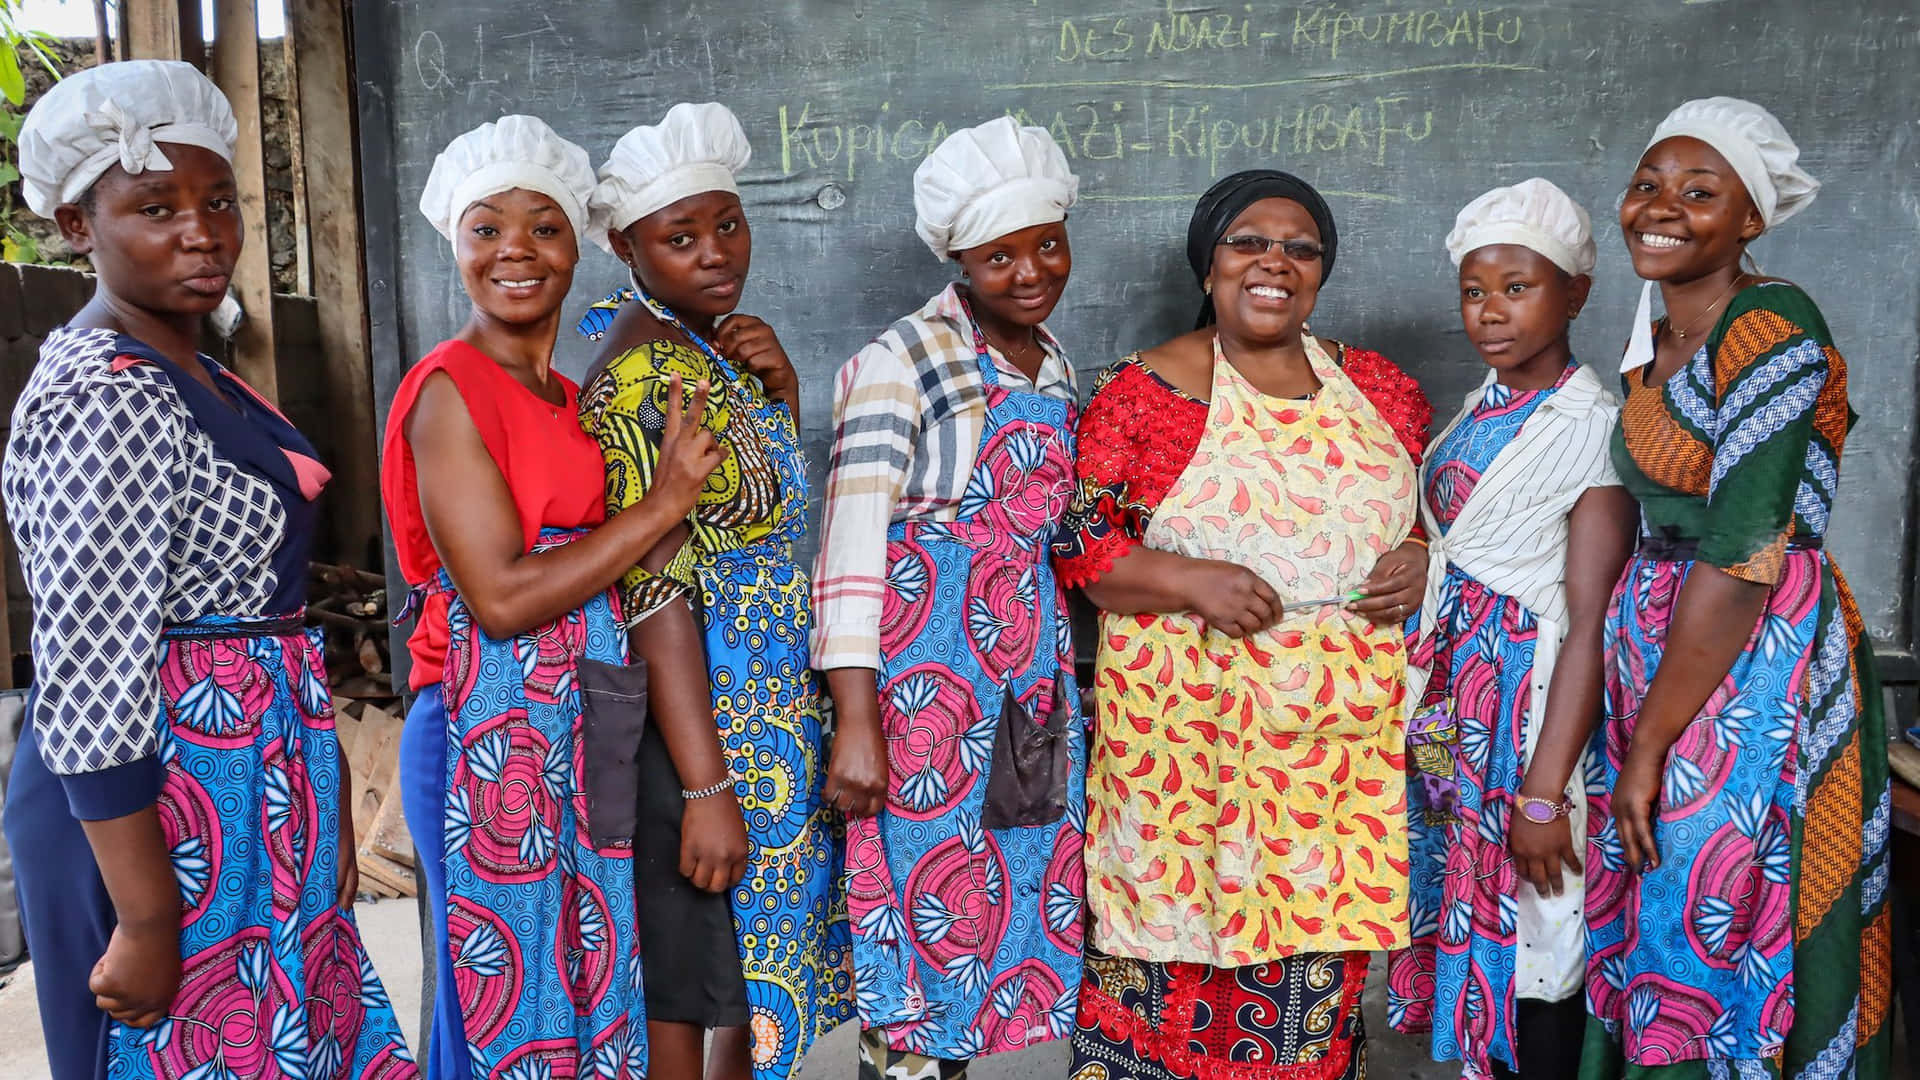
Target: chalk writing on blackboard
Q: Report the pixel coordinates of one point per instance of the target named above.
(1170, 32)
(1368, 128)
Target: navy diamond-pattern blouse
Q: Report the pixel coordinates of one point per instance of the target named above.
(128, 518)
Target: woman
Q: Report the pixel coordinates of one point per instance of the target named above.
(1737, 844)
(741, 919)
(1245, 839)
(493, 493)
(1529, 528)
(177, 811)
(959, 753)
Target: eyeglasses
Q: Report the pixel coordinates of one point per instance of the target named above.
(1252, 246)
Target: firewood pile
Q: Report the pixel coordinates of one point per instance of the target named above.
(350, 605)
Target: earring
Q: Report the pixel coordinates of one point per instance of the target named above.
(1206, 287)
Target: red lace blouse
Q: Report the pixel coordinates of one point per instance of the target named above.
(1138, 434)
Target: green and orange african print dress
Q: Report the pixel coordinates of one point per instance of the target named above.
(1760, 944)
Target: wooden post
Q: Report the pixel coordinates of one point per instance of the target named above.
(153, 28)
(297, 161)
(102, 34)
(236, 68)
(324, 82)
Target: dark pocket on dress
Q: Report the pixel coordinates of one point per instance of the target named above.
(1027, 781)
(613, 708)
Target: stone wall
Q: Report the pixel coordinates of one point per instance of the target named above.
(36, 299)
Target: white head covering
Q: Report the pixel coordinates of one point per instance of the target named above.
(693, 150)
(987, 181)
(1763, 156)
(1753, 142)
(118, 114)
(512, 152)
(1533, 214)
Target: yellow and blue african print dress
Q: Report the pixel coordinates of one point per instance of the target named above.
(751, 600)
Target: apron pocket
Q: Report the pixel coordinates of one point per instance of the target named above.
(1027, 781)
(613, 715)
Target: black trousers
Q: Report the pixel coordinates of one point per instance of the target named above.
(1549, 1034)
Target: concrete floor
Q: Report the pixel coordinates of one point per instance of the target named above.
(392, 933)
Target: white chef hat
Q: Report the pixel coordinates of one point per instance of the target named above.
(512, 152)
(695, 148)
(1753, 142)
(118, 113)
(1534, 214)
(987, 181)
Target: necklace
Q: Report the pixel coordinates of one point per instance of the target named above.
(1695, 324)
(1007, 350)
(1012, 354)
(1033, 336)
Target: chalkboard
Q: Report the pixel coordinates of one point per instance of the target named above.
(1399, 112)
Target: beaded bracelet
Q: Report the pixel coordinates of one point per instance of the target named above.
(708, 792)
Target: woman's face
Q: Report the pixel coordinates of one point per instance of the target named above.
(691, 255)
(1516, 304)
(1267, 296)
(1018, 278)
(1686, 213)
(164, 241)
(516, 252)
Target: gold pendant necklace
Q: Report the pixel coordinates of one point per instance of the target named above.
(1695, 324)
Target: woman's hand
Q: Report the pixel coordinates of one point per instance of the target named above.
(135, 980)
(1395, 588)
(857, 771)
(1540, 850)
(1636, 802)
(750, 343)
(1230, 598)
(688, 451)
(713, 842)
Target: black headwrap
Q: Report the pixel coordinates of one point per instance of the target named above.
(1232, 194)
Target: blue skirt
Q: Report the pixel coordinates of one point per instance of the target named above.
(274, 979)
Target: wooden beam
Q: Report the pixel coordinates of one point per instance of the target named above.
(236, 68)
(323, 79)
(153, 28)
(102, 34)
(297, 168)
(193, 34)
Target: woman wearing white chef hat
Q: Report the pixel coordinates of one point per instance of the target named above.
(178, 811)
(1528, 528)
(508, 762)
(942, 632)
(740, 918)
(1737, 839)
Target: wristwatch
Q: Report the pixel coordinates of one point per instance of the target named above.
(1542, 811)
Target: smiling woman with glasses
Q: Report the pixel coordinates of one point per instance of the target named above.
(1245, 519)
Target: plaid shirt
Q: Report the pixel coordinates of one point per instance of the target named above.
(907, 413)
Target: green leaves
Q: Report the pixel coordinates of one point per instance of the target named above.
(18, 247)
(13, 81)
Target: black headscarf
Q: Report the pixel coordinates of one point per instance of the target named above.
(1232, 194)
